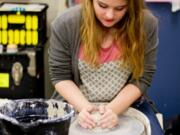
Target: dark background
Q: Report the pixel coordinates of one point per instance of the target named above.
(165, 89)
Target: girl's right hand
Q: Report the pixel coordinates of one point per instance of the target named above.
(85, 119)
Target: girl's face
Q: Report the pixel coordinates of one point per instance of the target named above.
(109, 12)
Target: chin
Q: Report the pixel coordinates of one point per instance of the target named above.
(108, 25)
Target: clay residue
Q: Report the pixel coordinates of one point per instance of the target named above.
(4, 101)
(97, 116)
(55, 109)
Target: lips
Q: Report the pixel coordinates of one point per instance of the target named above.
(109, 20)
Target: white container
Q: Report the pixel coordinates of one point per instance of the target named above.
(1, 48)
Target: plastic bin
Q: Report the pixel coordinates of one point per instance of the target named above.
(35, 117)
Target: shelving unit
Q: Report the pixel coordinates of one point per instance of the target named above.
(22, 72)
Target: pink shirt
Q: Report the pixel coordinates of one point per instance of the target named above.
(111, 53)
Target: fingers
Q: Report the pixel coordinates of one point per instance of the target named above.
(92, 108)
(109, 119)
(107, 114)
(108, 124)
(86, 120)
(101, 109)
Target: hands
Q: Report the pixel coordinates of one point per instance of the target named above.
(108, 118)
(85, 118)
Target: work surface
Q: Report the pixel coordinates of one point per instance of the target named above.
(131, 122)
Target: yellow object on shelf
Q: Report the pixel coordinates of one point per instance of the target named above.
(4, 37)
(4, 80)
(22, 37)
(10, 36)
(23, 24)
(34, 22)
(0, 37)
(16, 19)
(34, 38)
(28, 37)
(16, 37)
(28, 22)
(4, 24)
(0, 22)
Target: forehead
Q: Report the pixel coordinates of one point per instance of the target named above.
(113, 2)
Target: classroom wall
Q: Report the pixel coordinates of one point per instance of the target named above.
(165, 89)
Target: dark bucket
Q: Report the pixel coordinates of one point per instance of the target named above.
(35, 117)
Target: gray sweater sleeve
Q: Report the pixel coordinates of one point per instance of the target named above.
(64, 42)
(151, 27)
(59, 52)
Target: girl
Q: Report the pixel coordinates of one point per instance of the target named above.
(103, 51)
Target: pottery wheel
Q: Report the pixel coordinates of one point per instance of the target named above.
(127, 126)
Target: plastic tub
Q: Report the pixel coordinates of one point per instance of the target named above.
(35, 117)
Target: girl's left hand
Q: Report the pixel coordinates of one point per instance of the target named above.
(109, 119)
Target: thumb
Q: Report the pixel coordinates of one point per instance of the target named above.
(91, 108)
(101, 109)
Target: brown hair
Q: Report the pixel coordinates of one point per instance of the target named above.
(130, 31)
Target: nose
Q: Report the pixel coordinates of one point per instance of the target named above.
(110, 14)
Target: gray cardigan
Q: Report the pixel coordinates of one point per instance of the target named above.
(65, 42)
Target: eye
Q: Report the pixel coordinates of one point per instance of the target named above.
(120, 8)
(102, 5)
